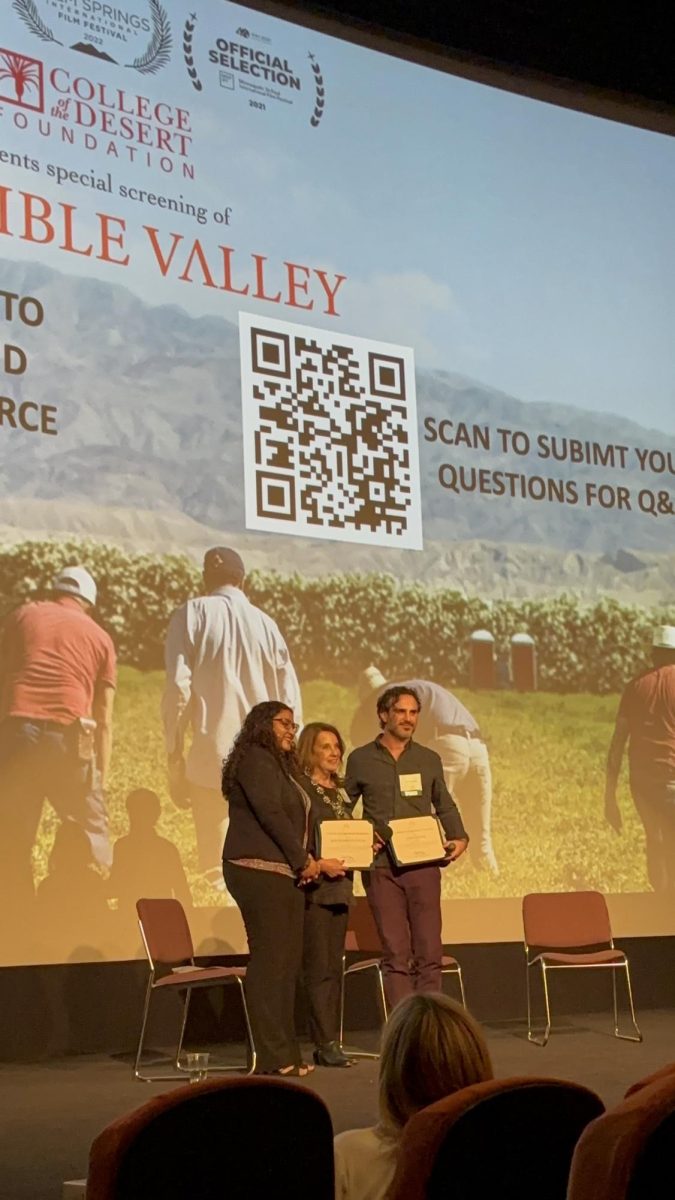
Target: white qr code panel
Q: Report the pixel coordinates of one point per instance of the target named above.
(330, 435)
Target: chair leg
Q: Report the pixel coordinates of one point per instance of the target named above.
(144, 1021)
(180, 1072)
(356, 1053)
(249, 1031)
(175, 1076)
(183, 1026)
(342, 1000)
(625, 1037)
(383, 997)
(227, 1068)
(538, 1041)
(458, 972)
(460, 981)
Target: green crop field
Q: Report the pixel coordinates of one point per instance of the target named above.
(547, 752)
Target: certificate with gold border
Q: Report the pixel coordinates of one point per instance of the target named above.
(416, 840)
(349, 841)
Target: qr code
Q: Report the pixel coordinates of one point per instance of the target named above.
(330, 435)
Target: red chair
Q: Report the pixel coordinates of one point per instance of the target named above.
(628, 1153)
(571, 931)
(510, 1139)
(655, 1077)
(234, 1138)
(168, 945)
(363, 937)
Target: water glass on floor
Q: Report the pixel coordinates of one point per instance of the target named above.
(198, 1066)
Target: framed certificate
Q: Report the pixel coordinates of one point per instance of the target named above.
(416, 840)
(349, 841)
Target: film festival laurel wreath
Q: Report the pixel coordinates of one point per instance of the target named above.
(193, 74)
(155, 56)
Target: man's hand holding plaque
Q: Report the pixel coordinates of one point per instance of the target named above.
(417, 840)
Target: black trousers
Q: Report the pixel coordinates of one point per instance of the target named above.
(325, 930)
(273, 911)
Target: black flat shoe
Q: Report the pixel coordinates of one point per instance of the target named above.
(331, 1055)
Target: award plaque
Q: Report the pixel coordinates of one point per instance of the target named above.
(349, 841)
(416, 840)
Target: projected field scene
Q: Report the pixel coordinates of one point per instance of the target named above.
(305, 396)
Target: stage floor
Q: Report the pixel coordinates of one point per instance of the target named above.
(54, 1110)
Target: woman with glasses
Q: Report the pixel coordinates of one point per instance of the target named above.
(265, 859)
(327, 899)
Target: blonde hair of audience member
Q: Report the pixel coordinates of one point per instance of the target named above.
(431, 1047)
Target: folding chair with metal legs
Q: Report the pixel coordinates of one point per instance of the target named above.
(166, 937)
(546, 967)
(572, 931)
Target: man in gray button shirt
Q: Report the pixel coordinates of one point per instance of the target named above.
(395, 777)
(446, 726)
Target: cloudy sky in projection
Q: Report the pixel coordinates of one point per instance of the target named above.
(526, 246)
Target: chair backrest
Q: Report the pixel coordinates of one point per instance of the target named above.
(627, 1154)
(362, 931)
(556, 920)
(165, 930)
(655, 1077)
(234, 1138)
(507, 1138)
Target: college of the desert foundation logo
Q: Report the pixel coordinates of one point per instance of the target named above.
(137, 35)
(21, 81)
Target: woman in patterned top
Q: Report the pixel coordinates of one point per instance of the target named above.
(327, 898)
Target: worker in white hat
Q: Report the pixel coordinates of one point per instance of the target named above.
(57, 685)
(646, 721)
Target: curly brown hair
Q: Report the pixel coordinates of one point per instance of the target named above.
(257, 731)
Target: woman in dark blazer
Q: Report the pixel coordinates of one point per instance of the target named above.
(265, 857)
(327, 898)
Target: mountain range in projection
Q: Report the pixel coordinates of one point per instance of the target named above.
(149, 422)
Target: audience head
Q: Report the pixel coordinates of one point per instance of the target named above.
(431, 1047)
(222, 566)
(270, 725)
(144, 808)
(320, 746)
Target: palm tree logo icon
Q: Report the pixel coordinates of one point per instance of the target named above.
(22, 74)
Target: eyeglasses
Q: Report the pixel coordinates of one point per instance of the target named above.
(289, 725)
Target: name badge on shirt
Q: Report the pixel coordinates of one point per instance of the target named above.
(410, 785)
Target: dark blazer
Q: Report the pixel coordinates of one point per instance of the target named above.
(267, 817)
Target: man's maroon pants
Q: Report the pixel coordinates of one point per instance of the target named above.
(406, 905)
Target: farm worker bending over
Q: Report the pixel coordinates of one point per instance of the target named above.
(57, 687)
(223, 656)
(646, 720)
